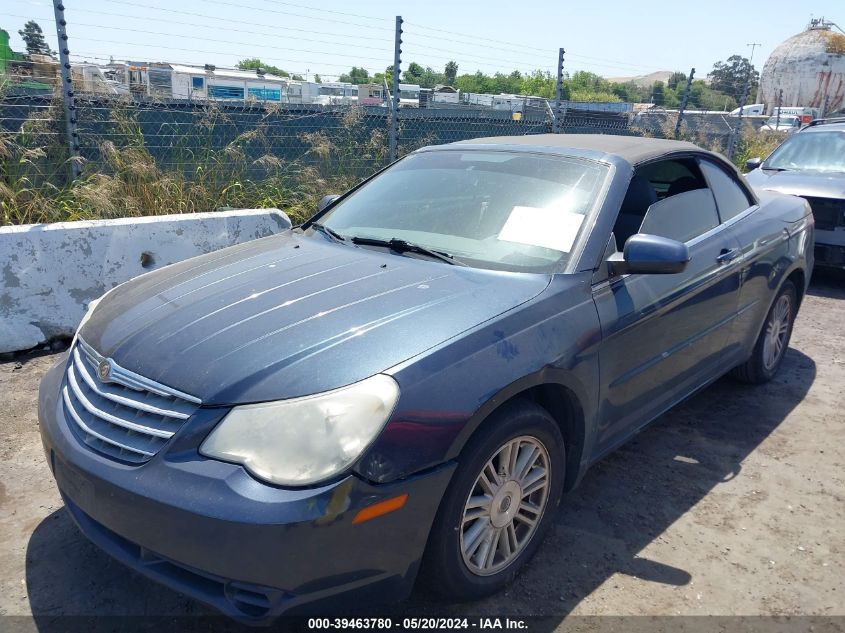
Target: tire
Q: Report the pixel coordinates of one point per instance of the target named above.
(454, 564)
(771, 345)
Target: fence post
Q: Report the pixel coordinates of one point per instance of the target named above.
(557, 123)
(780, 105)
(684, 102)
(394, 98)
(67, 89)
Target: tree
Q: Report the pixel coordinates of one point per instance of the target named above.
(631, 92)
(431, 78)
(704, 97)
(318, 79)
(414, 73)
(253, 63)
(356, 76)
(676, 80)
(450, 72)
(729, 77)
(33, 37)
(541, 84)
(658, 93)
(386, 76)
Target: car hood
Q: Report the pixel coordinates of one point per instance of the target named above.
(291, 315)
(799, 183)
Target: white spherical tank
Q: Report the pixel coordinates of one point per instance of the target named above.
(809, 68)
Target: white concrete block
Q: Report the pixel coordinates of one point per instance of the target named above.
(49, 272)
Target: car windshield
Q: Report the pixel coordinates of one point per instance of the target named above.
(489, 209)
(817, 151)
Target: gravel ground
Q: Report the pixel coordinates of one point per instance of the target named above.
(731, 504)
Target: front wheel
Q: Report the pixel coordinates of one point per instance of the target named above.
(500, 503)
(773, 340)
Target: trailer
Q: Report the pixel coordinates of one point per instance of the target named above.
(337, 93)
(372, 94)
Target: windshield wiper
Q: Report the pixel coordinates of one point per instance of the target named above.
(401, 246)
(322, 228)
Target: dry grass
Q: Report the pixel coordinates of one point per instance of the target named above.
(126, 180)
(757, 145)
(751, 143)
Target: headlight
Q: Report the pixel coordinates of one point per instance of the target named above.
(302, 441)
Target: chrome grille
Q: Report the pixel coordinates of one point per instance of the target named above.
(127, 417)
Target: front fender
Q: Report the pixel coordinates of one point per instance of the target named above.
(447, 393)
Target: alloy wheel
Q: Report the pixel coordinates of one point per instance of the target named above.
(505, 505)
(777, 331)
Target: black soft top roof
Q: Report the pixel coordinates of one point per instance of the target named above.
(633, 149)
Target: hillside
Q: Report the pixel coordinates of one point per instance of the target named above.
(644, 80)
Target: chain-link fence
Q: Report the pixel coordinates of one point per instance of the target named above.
(102, 139)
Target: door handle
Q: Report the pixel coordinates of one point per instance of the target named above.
(728, 255)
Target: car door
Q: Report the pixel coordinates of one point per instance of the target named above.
(663, 336)
(764, 245)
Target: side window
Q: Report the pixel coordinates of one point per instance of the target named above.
(730, 197)
(671, 177)
(197, 83)
(669, 198)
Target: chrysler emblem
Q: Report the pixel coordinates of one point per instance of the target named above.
(103, 370)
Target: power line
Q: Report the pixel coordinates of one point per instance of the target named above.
(299, 15)
(463, 56)
(209, 39)
(227, 28)
(194, 50)
(305, 6)
(219, 19)
(476, 37)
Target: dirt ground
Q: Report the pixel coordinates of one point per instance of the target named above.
(731, 504)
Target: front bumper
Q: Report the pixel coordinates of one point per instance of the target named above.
(211, 531)
(830, 248)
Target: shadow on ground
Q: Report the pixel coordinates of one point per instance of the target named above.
(624, 502)
(827, 282)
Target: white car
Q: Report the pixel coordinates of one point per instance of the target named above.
(788, 123)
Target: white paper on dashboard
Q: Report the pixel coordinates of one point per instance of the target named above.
(551, 227)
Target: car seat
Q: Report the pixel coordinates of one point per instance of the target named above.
(640, 196)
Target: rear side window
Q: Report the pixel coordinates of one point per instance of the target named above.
(682, 216)
(730, 198)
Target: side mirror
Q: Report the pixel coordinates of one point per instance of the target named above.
(753, 163)
(325, 201)
(650, 255)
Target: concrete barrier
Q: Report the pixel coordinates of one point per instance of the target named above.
(49, 272)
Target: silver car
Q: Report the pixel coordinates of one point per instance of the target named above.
(811, 164)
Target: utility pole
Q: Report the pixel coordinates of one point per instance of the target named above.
(67, 90)
(558, 118)
(684, 102)
(394, 101)
(780, 105)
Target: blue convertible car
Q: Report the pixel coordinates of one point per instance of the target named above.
(405, 385)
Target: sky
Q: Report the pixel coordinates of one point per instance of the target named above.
(613, 38)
